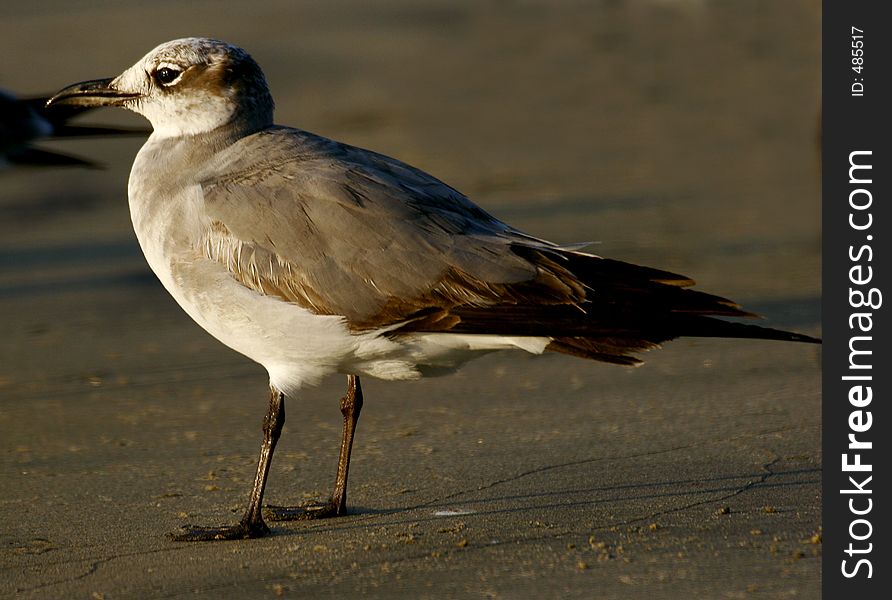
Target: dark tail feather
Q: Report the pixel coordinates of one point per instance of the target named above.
(59, 117)
(595, 350)
(67, 131)
(616, 349)
(706, 327)
(34, 157)
(625, 309)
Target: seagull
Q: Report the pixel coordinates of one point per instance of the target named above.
(25, 120)
(313, 257)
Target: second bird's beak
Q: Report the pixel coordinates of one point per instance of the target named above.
(97, 92)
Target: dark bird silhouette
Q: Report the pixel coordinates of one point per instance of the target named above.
(24, 121)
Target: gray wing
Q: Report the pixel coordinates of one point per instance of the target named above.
(344, 231)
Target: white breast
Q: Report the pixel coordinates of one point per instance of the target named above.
(296, 346)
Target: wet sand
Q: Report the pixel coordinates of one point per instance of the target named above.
(678, 134)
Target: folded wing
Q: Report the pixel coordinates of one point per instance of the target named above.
(353, 233)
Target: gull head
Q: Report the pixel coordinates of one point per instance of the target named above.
(184, 87)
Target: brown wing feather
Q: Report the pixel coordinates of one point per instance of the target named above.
(343, 231)
(265, 271)
(628, 309)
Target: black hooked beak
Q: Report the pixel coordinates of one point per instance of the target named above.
(97, 92)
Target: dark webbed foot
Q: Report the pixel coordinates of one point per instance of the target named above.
(240, 531)
(306, 512)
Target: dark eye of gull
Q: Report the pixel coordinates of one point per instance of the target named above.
(167, 75)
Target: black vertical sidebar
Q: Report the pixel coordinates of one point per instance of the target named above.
(857, 269)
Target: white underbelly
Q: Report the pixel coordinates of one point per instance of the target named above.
(299, 348)
(296, 346)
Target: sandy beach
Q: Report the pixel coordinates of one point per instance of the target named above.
(677, 134)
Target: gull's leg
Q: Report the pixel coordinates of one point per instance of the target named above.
(351, 405)
(252, 524)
